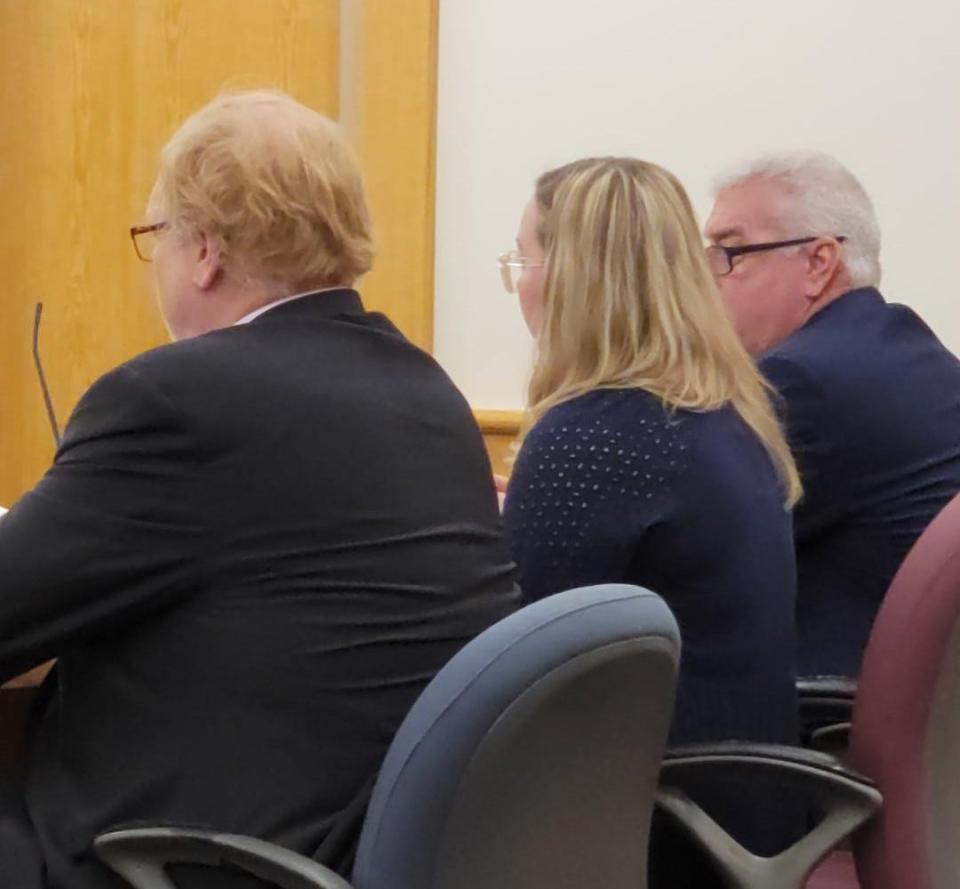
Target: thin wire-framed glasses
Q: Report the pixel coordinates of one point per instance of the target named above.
(144, 239)
(721, 258)
(512, 265)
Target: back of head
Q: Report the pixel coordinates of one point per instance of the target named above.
(620, 240)
(630, 302)
(819, 196)
(275, 185)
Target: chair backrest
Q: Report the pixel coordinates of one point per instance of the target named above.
(531, 759)
(906, 721)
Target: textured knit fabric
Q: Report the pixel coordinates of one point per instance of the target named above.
(611, 486)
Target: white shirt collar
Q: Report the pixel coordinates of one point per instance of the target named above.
(256, 313)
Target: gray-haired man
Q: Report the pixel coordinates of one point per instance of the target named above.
(871, 398)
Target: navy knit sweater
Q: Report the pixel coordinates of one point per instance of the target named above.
(612, 487)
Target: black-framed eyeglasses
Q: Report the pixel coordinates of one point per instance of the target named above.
(721, 258)
(144, 239)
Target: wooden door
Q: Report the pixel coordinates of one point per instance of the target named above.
(89, 92)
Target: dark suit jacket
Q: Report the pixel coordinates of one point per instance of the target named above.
(872, 407)
(252, 552)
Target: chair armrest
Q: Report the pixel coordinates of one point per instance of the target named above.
(843, 687)
(823, 701)
(141, 854)
(833, 739)
(783, 762)
(846, 798)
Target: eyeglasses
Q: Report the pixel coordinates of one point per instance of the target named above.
(512, 265)
(144, 239)
(721, 258)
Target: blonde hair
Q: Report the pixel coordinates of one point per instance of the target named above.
(274, 183)
(630, 302)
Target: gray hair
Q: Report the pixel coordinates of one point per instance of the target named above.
(820, 197)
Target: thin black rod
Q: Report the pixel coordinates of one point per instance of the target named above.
(43, 380)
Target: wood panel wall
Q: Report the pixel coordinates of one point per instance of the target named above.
(500, 430)
(89, 92)
(389, 106)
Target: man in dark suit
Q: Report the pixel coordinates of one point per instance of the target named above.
(256, 544)
(870, 397)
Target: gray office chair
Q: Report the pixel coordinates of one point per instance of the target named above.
(842, 798)
(530, 760)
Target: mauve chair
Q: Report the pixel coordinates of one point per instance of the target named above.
(905, 732)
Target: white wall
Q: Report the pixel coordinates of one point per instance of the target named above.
(528, 84)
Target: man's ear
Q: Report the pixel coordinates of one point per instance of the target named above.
(823, 266)
(208, 263)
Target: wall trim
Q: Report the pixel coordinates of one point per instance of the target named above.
(492, 422)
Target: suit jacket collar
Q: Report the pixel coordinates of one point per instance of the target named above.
(851, 308)
(850, 305)
(322, 304)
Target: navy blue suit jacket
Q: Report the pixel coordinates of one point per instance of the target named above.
(871, 402)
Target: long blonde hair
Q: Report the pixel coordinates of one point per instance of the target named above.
(629, 302)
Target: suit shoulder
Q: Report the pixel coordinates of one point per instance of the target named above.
(124, 400)
(828, 354)
(173, 366)
(135, 373)
(815, 346)
(169, 355)
(159, 379)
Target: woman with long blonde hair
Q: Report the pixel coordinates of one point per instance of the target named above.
(650, 451)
